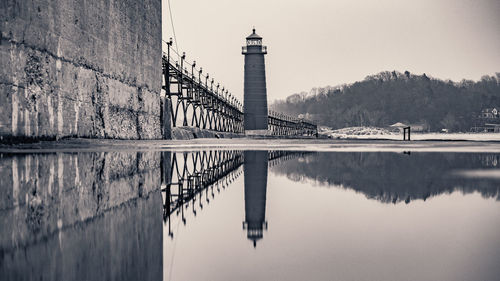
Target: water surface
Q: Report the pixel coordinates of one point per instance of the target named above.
(250, 215)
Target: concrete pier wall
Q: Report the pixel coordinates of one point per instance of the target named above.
(80, 68)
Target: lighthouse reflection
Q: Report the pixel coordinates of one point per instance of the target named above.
(192, 179)
(255, 171)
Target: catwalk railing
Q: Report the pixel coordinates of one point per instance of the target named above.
(196, 100)
(282, 125)
(190, 177)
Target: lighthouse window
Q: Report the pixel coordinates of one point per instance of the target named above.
(254, 42)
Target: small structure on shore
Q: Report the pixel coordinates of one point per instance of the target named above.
(402, 128)
(398, 127)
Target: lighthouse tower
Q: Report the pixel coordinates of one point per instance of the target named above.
(255, 95)
(255, 168)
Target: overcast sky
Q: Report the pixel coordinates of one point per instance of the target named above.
(315, 43)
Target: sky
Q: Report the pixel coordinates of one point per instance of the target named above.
(317, 43)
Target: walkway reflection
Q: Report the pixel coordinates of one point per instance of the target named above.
(188, 177)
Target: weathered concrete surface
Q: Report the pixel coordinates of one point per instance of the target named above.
(81, 216)
(80, 68)
(166, 118)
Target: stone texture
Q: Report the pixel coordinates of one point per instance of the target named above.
(166, 118)
(74, 68)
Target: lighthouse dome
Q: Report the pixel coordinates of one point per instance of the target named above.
(253, 35)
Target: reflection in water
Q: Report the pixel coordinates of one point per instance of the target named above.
(394, 177)
(256, 164)
(98, 215)
(186, 175)
(255, 194)
(342, 236)
(80, 216)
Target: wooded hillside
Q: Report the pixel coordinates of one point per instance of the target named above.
(390, 97)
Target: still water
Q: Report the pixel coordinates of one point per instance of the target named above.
(249, 215)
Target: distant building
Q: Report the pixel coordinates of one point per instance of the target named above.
(487, 121)
(418, 127)
(307, 116)
(489, 113)
(489, 128)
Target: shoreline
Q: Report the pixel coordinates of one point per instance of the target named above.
(425, 137)
(343, 145)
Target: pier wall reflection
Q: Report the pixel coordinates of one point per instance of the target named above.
(81, 216)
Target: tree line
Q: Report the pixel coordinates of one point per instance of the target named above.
(389, 97)
(395, 177)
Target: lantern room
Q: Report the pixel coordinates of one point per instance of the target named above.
(254, 39)
(254, 44)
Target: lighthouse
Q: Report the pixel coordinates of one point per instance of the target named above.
(255, 94)
(255, 169)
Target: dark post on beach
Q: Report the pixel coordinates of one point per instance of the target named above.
(406, 129)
